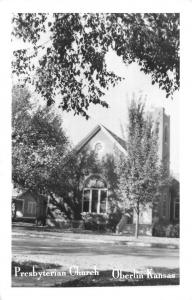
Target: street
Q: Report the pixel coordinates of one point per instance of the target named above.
(68, 249)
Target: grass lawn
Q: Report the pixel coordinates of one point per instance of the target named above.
(58, 251)
(104, 278)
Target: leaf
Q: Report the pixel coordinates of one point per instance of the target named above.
(81, 41)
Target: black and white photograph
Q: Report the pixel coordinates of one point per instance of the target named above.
(95, 149)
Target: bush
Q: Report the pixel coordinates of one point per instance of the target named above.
(163, 230)
(94, 221)
(101, 222)
(113, 219)
(176, 230)
(158, 230)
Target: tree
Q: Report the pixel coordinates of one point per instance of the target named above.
(42, 158)
(108, 170)
(39, 144)
(70, 179)
(72, 61)
(140, 171)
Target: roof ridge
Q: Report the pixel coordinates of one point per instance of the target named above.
(87, 137)
(113, 132)
(120, 140)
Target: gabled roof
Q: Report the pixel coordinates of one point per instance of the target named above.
(120, 143)
(117, 138)
(88, 137)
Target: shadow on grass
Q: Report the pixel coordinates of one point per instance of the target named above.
(105, 278)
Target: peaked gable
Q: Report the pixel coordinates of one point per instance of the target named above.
(117, 138)
(114, 139)
(86, 139)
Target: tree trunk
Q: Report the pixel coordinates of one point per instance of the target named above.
(137, 222)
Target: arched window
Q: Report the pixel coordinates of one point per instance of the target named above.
(95, 195)
(95, 181)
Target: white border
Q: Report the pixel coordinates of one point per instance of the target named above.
(185, 8)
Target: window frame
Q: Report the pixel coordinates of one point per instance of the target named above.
(99, 200)
(100, 151)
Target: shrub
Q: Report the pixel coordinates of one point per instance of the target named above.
(163, 230)
(158, 230)
(169, 230)
(176, 230)
(94, 221)
(113, 220)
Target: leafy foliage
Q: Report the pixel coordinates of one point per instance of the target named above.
(72, 62)
(72, 171)
(93, 221)
(141, 173)
(42, 158)
(168, 230)
(38, 144)
(109, 172)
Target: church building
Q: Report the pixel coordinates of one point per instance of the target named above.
(96, 189)
(97, 195)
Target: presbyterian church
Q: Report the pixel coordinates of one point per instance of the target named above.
(96, 190)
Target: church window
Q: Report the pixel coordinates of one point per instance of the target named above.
(94, 195)
(98, 148)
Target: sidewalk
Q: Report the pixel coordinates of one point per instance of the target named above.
(90, 237)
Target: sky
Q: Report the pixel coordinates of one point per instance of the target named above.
(118, 98)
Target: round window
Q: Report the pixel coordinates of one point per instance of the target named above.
(98, 147)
